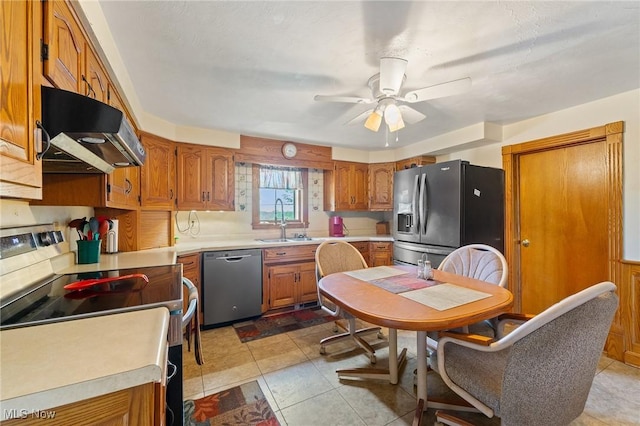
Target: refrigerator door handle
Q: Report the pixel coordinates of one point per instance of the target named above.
(413, 204)
(424, 199)
(422, 219)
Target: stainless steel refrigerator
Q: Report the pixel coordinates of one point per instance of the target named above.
(443, 206)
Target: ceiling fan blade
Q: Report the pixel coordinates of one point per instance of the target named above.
(392, 74)
(410, 115)
(347, 99)
(450, 88)
(360, 118)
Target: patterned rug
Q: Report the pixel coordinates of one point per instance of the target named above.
(280, 323)
(242, 405)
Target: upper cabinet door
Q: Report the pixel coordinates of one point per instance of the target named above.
(94, 84)
(20, 172)
(158, 174)
(381, 186)
(192, 193)
(220, 179)
(65, 41)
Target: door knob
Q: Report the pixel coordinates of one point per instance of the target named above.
(526, 242)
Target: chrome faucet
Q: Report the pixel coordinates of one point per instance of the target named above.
(283, 222)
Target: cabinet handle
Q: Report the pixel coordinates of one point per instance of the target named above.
(171, 194)
(46, 138)
(129, 186)
(282, 253)
(89, 87)
(204, 197)
(208, 194)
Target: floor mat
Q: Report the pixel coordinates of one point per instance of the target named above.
(241, 405)
(280, 323)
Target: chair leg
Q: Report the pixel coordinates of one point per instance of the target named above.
(444, 418)
(350, 332)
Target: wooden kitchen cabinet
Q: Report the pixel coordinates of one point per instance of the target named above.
(346, 186)
(205, 178)
(381, 253)
(363, 248)
(137, 406)
(191, 270)
(292, 284)
(65, 44)
(381, 186)
(289, 276)
(421, 160)
(158, 174)
(94, 78)
(120, 189)
(20, 172)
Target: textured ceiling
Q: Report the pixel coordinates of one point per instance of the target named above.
(254, 67)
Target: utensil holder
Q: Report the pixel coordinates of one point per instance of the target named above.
(89, 251)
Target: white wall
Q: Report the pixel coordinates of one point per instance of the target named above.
(623, 107)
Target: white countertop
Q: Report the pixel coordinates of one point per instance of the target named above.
(168, 255)
(51, 365)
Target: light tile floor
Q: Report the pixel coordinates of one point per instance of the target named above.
(303, 389)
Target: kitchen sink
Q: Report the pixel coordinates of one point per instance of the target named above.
(288, 240)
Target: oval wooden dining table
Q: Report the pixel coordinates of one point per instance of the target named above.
(380, 301)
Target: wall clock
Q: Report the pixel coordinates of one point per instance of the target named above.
(289, 150)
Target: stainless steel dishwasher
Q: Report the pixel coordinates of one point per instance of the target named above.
(231, 285)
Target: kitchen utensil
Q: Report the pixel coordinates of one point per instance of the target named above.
(94, 225)
(84, 284)
(104, 228)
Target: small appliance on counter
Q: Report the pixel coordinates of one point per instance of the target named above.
(336, 227)
(112, 238)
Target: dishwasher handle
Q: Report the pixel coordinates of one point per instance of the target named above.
(233, 258)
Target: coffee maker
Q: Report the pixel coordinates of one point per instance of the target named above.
(336, 227)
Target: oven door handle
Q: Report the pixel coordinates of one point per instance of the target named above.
(83, 284)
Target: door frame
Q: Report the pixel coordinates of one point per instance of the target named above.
(612, 134)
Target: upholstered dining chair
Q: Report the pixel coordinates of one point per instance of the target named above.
(479, 261)
(541, 372)
(334, 256)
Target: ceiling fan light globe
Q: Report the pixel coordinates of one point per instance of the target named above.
(373, 122)
(392, 114)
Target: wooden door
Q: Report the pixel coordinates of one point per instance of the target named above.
(381, 186)
(191, 178)
(220, 170)
(20, 173)
(307, 286)
(343, 192)
(563, 223)
(123, 188)
(359, 186)
(66, 43)
(95, 83)
(282, 285)
(158, 174)
(563, 214)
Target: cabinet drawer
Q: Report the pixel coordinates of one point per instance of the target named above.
(362, 246)
(289, 253)
(381, 246)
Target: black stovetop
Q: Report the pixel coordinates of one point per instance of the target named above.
(50, 302)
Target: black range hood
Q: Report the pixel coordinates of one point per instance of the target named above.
(87, 136)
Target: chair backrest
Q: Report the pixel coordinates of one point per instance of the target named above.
(478, 261)
(543, 369)
(337, 256)
(554, 357)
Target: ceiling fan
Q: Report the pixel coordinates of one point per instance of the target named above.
(385, 91)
